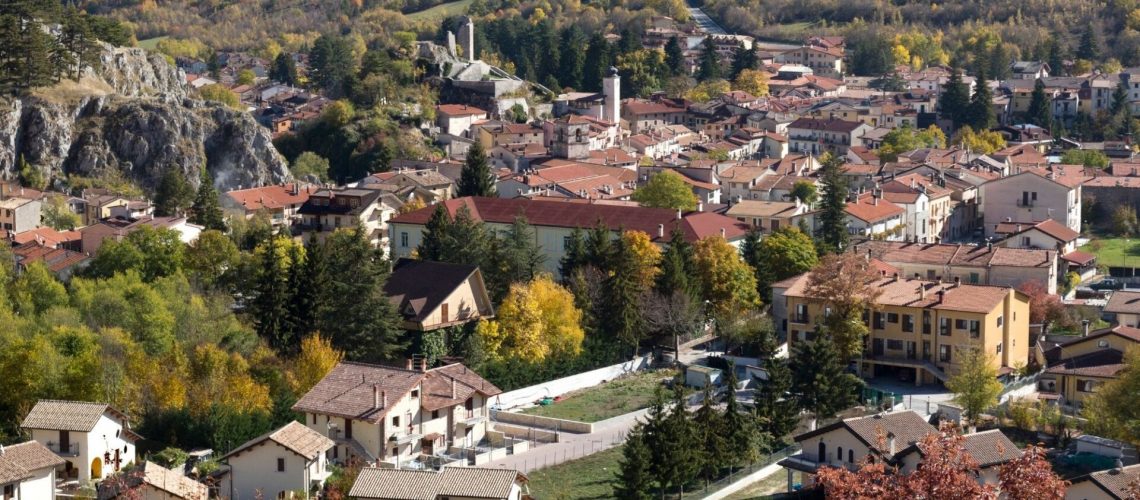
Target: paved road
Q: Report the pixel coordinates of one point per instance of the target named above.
(705, 23)
(606, 435)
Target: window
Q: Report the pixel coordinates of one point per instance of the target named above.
(944, 353)
(974, 277)
(415, 393)
(395, 451)
(892, 318)
(435, 414)
(850, 456)
(944, 326)
(839, 453)
(314, 419)
(960, 324)
(396, 421)
(926, 322)
(1001, 321)
(908, 323)
(929, 274)
(403, 239)
(1025, 241)
(1102, 343)
(878, 321)
(999, 348)
(894, 345)
(1087, 385)
(975, 329)
(280, 465)
(801, 314)
(565, 243)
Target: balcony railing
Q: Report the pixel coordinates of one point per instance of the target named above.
(800, 318)
(64, 450)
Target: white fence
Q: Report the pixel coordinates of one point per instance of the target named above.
(557, 387)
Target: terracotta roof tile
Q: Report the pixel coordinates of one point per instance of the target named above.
(909, 293)
(1104, 363)
(77, 416)
(1117, 483)
(870, 209)
(402, 484)
(19, 461)
(459, 110)
(271, 197)
(295, 437)
(1123, 301)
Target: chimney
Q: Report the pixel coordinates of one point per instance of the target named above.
(678, 214)
(409, 363)
(1019, 228)
(661, 230)
(896, 278)
(891, 443)
(922, 291)
(722, 233)
(957, 281)
(940, 294)
(700, 207)
(875, 200)
(376, 397)
(453, 391)
(1085, 327)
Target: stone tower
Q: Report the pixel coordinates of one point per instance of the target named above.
(467, 38)
(611, 89)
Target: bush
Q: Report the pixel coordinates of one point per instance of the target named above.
(170, 458)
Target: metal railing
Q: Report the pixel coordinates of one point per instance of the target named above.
(736, 474)
(69, 450)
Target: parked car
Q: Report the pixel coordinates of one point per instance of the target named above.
(1107, 284)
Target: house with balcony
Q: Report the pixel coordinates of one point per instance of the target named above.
(918, 329)
(394, 416)
(292, 459)
(1047, 234)
(279, 201)
(891, 438)
(971, 264)
(94, 439)
(1076, 369)
(27, 471)
(818, 135)
(433, 295)
(448, 484)
(327, 210)
(769, 216)
(871, 216)
(1032, 196)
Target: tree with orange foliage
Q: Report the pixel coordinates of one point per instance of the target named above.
(1044, 308)
(841, 281)
(1030, 477)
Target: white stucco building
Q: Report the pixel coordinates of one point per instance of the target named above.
(94, 439)
(27, 471)
(291, 459)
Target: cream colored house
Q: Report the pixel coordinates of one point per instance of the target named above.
(1126, 306)
(27, 471)
(452, 483)
(973, 264)
(432, 295)
(768, 216)
(1081, 366)
(892, 438)
(327, 210)
(94, 439)
(1048, 234)
(288, 461)
(1030, 196)
(871, 216)
(390, 415)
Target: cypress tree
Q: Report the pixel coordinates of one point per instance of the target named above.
(622, 298)
(675, 56)
(432, 244)
(708, 425)
(820, 382)
(832, 232)
(1039, 112)
(268, 307)
(981, 110)
(309, 290)
(476, 178)
(681, 448)
(1119, 99)
(206, 212)
(740, 432)
(1056, 57)
(575, 254)
(955, 98)
(750, 251)
(710, 61)
(634, 479)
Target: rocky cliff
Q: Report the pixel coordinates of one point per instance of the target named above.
(134, 114)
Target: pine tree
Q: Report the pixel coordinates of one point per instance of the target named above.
(981, 109)
(622, 298)
(634, 480)
(743, 441)
(515, 257)
(366, 327)
(676, 266)
(832, 232)
(710, 62)
(820, 382)
(999, 62)
(432, 243)
(272, 295)
(773, 403)
(476, 178)
(708, 424)
(599, 58)
(205, 212)
(743, 59)
(750, 252)
(1056, 57)
(1119, 99)
(308, 291)
(466, 240)
(673, 444)
(1039, 112)
(173, 193)
(630, 41)
(284, 69)
(573, 57)
(599, 247)
(955, 98)
(675, 56)
(1089, 47)
(575, 254)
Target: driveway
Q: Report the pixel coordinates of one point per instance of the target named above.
(704, 22)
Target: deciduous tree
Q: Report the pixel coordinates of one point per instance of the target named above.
(666, 189)
(975, 386)
(537, 320)
(842, 282)
(1114, 409)
(727, 282)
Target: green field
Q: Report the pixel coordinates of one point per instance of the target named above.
(441, 11)
(585, 478)
(771, 485)
(151, 43)
(1111, 251)
(616, 397)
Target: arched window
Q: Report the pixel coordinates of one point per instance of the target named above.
(822, 456)
(839, 453)
(850, 456)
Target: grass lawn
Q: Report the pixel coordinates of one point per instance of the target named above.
(585, 478)
(151, 43)
(1111, 251)
(776, 483)
(616, 397)
(441, 11)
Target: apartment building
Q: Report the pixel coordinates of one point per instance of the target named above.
(327, 210)
(1032, 196)
(818, 135)
(388, 415)
(919, 329)
(971, 264)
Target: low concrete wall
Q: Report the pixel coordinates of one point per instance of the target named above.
(554, 424)
(557, 387)
(527, 433)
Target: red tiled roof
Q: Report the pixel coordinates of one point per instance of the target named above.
(1079, 258)
(867, 209)
(46, 236)
(938, 295)
(829, 125)
(459, 110)
(1050, 227)
(569, 214)
(1124, 301)
(271, 197)
(55, 259)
